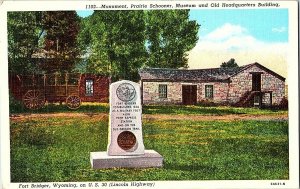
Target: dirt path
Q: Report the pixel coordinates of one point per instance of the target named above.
(230, 117)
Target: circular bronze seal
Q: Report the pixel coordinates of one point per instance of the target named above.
(126, 92)
(126, 140)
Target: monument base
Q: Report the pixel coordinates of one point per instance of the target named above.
(100, 160)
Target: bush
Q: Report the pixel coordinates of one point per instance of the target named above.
(15, 105)
(207, 103)
(284, 104)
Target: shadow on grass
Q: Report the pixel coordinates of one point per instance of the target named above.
(185, 167)
(147, 109)
(59, 108)
(180, 109)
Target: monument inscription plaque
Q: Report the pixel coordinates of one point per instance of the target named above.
(125, 128)
(125, 140)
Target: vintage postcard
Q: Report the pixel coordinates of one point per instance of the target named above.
(149, 94)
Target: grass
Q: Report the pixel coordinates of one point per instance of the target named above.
(58, 108)
(218, 110)
(151, 109)
(57, 149)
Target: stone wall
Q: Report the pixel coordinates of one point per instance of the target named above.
(151, 94)
(220, 91)
(242, 82)
(277, 86)
(174, 92)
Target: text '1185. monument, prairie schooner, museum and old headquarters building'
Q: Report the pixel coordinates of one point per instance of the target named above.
(249, 85)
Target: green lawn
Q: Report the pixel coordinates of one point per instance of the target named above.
(218, 110)
(151, 109)
(58, 149)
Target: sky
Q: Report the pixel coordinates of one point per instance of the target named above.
(84, 13)
(247, 35)
(263, 24)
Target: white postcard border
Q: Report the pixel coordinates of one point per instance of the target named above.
(293, 182)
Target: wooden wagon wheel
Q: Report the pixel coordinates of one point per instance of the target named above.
(73, 102)
(34, 99)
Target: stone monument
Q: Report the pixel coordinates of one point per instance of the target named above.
(125, 141)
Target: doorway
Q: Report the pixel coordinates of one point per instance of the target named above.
(189, 94)
(256, 82)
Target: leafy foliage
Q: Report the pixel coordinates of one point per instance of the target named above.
(170, 35)
(284, 104)
(118, 43)
(38, 40)
(15, 106)
(24, 38)
(230, 64)
(114, 42)
(62, 28)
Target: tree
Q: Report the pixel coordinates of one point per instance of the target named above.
(170, 35)
(230, 64)
(118, 43)
(62, 28)
(114, 43)
(24, 38)
(36, 37)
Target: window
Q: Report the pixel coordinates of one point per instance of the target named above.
(162, 89)
(89, 87)
(209, 91)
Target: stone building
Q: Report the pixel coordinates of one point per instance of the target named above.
(249, 85)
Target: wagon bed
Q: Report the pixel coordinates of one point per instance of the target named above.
(38, 89)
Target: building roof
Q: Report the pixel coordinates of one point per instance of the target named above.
(211, 74)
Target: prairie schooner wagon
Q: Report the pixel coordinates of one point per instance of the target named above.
(72, 88)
